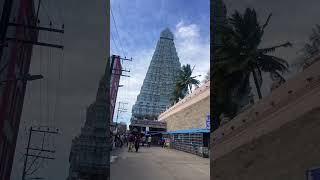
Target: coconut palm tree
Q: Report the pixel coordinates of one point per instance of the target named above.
(186, 80)
(185, 83)
(178, 93)
(313, 46)
(229, 86)
(242, 52)
(311, 49)
(207, 77)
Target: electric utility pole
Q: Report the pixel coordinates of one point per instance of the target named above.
(120, 109)
(5, 23)
(5, 17)
(31, 152)
(113, 57)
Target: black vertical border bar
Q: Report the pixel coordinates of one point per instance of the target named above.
(212, 35)
(212, 99)
(108, 77)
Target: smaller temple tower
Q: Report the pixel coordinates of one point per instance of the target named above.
(89, 157)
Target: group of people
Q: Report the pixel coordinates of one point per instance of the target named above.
(134, 140)
(119, 140)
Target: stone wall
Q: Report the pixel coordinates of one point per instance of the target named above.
(286, 153)
(276, 139)
(191, 117)
(190, 112)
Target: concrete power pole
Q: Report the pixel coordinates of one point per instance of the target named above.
(5, 17)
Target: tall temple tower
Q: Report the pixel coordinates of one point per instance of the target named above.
(159, 83)
(89, 156)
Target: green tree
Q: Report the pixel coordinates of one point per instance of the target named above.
(207, 77)
(227, 87)
(178, 93)
(185, 83)
(313, 46)
(242, 52)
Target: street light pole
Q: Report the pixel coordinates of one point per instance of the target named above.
(33, 77)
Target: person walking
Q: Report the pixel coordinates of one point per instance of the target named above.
(163, 143)
(127, 139)
(137, 142)
(143, 140)
(111, 141)
(116, 141)
(130, 142)
(149, 141)
(121, 140)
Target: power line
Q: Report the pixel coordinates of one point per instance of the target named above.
(52, 16)
(45, 10)
(40, 82)
(47, 84)
(114, 42)
(56, 15)
(115, 24)
(57, 91)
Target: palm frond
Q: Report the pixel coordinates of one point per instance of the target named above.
(272, 49)
(184, 82)
(312, 47)
(259, 74)
(195, 82)
(269, 63)
(278, 75)
(267, 22)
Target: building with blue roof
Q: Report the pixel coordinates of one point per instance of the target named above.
(195, 140)
(188, 122)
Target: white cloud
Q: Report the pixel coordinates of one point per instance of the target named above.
(185, 32)
(192, 48)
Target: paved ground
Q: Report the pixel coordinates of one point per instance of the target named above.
(156, 163)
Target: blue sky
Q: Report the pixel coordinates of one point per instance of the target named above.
(139, 23)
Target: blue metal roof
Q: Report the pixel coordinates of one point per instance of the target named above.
(193, 130)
